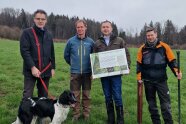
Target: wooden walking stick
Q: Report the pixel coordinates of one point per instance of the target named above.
(140, 102)
(179, 97)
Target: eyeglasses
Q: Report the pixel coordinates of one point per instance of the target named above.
(42, 19)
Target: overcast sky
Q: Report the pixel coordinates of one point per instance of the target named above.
(131, 15)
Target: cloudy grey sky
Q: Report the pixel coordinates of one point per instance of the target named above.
(131, 15)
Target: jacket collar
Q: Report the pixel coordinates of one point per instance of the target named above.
(147, 46)
(38, 30)
(80, 38)
(112, 37)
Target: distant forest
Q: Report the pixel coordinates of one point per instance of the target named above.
(62, 27)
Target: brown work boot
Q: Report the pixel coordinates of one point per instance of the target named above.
(75, 118)
(86, 118)
(86, 103)
(76, 108)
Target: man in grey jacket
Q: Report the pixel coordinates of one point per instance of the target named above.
(77, 55)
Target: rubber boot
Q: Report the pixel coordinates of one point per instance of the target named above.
(120, 115)
(110, 112)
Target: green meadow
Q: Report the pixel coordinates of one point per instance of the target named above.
(11, 87)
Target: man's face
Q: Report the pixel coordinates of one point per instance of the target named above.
(81, 28)
(106, 29)
(151, 36)
(40, 20)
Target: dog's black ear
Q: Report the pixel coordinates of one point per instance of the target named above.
(66, 97)
(66, 91)
(63, 97)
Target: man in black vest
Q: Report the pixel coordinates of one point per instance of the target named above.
(37, 51)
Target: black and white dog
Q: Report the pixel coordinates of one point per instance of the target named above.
(57, 110)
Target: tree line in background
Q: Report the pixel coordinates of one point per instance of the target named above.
(62, 27)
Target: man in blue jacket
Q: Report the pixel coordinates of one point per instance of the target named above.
(77, 55)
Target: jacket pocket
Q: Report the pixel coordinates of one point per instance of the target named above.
(115, 46)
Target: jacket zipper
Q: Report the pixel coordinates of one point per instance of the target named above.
(84, 50)
(81, 58)
(43, 51)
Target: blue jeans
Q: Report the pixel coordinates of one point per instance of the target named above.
(112, 89)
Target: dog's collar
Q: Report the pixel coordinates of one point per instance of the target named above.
(33, 103)
(42, 98)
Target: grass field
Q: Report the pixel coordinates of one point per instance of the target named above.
(11, 87)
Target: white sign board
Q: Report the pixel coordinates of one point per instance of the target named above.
(109, 63)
